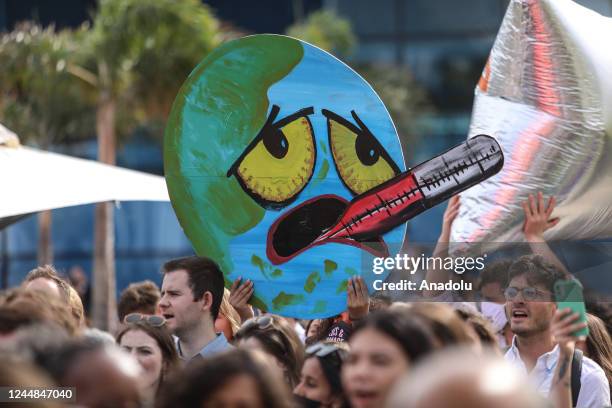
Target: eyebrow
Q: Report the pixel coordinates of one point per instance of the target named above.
(361, 128)
(266, 126)
(340, 119)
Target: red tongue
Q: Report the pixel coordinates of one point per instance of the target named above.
(378, 211)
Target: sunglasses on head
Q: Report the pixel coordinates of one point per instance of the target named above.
(151, 320)
(262, 322)
(325, 349)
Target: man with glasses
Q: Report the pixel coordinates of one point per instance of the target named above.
(531, 311)
(191, 294)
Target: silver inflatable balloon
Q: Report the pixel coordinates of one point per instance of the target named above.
(546, 96)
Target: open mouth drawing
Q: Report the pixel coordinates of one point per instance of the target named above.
(299, 229)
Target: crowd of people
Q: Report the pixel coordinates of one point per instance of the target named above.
(195, 343)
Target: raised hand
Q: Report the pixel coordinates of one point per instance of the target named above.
(240, 294)
(441, 250)
(452, 209)
(537, 217)
(358, 299)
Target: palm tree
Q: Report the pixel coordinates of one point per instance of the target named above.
(406, 101)
(38, 99)
(133, 60)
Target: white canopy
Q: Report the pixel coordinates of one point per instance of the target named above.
(34, 180)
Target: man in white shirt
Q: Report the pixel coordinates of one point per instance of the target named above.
(530, 306)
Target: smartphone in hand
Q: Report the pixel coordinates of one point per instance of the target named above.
(568, 294)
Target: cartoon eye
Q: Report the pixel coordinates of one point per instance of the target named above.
(278, 164)
(361, 161)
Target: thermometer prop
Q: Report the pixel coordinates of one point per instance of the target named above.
(368, 216)
(371, 214)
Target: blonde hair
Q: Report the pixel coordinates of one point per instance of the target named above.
(229, 312)
(76, 306)
(68, 294)
(20, 307)
(599, 345)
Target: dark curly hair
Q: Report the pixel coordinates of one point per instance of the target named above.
(537, 270)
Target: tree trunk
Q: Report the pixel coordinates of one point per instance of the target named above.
(104, 290)
(45, 245)
(45, 218)
(4, 259)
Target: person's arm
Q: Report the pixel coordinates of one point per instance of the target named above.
(441, 249)
(562, 326)
(537, 220)
(240, 294)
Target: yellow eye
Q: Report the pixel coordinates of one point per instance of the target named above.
(361, 161)
(280, 161)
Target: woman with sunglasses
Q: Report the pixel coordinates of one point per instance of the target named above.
(383, 347)
(148, 340)
(320, 384)
(275, 337)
